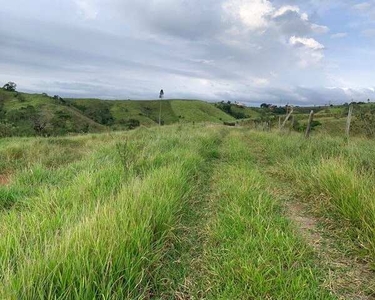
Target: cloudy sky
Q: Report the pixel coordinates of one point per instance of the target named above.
(296, 51)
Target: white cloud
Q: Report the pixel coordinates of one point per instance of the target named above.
(253, 14)
(290, 8)
(366, 9)
(260, 81)
(250, 49)
(87, 9)
(309, 51)
(321, 29)
(292, 19)
(364, 6)
(368, 33)
(339, 35)
(306, 42)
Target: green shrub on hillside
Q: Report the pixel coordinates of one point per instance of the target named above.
(97, 111)
(364, 120)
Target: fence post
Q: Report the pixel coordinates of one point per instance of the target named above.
(287, 118)
(308, 129)
(348, 121)
(293, 121)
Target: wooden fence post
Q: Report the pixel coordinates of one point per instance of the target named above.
(287, 118)
(308, 129)
(293, 121)
(348, 121)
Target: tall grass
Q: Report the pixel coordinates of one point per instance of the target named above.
(101, 233)
(96, 216)
(336, 176)
(252, 251)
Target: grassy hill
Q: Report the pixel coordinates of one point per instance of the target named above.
(25, 114)
(147, 112)
(34, 114)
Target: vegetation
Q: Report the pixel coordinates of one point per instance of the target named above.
(185, 211)
(237, 110)
(365, 120)
(10, 86)
(40, 115)
(24, 114)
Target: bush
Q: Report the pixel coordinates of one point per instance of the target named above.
(99, 112)
(131, 123)
(6, 130)
(10, 86)
(364, 120)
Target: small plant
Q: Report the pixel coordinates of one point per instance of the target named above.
(124, 150)
(128, 150)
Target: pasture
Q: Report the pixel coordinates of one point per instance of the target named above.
(187, 212)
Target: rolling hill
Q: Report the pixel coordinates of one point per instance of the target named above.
(147, 111)
(23, 114)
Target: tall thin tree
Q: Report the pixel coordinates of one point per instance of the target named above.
(161, 96)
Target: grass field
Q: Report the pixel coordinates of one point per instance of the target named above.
(187, 212)
(23, 114)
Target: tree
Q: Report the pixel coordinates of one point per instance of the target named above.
(10, 86)
(264, 105)
(161, 95)
(39, 124)
(147, 111)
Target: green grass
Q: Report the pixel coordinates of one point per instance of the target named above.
(335, 177)
(198, 111)
(178, 212)
(249, 112)
(21, 113)
(147, 112)
(99, 234)
(251, 250)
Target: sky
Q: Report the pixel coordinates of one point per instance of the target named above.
(300, 52)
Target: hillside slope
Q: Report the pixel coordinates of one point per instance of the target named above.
(24, 114)
(147, 112)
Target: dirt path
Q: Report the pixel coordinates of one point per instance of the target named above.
(183, 261)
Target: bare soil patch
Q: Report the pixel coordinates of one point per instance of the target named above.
(4, 179)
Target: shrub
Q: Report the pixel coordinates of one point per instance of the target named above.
(10, 86)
